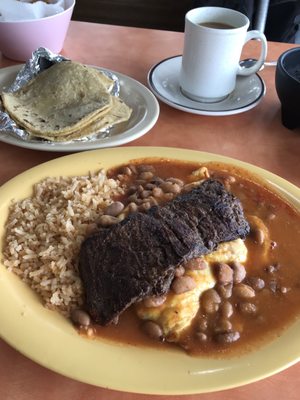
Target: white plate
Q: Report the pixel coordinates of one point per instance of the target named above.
(144, 115)
(163, 81)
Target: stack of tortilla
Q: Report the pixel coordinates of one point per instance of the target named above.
(66, 101)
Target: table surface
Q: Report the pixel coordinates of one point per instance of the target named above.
(256, 136)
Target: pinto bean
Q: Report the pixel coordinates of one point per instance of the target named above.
(146, 175)
(225, 291)
(223, 325)
(259, 235)
(133, 168)
(179, 271)
(149, 186)
(202, 337)
(228, 182)
(107, 220)
(196, 264)
(175, 180)
(145, 206)
(91, 228)
(157, 192)
(156, 180)
(183, 284)
(126, 171)
(224, 273)
(210, 301)
(132, 207)
(140, 188)
(239, 272)
(169, 196)
(227, 337)
(169, 187)
(114, 208)
(152, 201)
(80, 317)
(132, 189)
(256, 283)
(202, 324)
(133, 198)
(230, 179)
(248, 308)
(146, 168)
(243, 291)
(145, 194)
(153, 330)
(154, 301)
(226, 309)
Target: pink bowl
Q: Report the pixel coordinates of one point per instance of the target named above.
(18, 39)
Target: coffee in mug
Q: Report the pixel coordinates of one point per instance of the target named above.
(213, 41)
(216, 25)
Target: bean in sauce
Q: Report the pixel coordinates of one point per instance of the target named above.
(238, 312)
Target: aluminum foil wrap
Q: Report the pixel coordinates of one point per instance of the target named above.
(42, 59)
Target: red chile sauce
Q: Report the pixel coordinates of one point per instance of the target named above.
(278, 304)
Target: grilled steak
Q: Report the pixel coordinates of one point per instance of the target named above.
(137, 257)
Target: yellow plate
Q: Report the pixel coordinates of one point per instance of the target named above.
(49, 339)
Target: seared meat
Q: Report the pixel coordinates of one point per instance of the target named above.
(137, 257)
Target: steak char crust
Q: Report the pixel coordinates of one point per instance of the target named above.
(137, 257)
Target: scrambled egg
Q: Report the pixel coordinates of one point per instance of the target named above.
(228, 252)
(178, 311)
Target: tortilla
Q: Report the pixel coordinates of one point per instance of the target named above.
(60, 100)
(118, 113)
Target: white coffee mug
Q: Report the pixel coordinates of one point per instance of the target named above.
(213, 42)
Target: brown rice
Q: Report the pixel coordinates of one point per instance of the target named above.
(44, 233)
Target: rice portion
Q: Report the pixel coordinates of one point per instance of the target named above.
(44, 233)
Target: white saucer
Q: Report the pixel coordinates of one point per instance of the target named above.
(163, 81)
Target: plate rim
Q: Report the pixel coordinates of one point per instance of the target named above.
(144, 387)
(198, 111)
(143, 126)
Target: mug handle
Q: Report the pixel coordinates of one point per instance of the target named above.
(245, 71)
